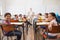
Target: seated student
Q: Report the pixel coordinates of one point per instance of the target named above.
(20, 17)
(46, 17)
(39, 17)
(15, 17)
(53, 22)
(26, 21)
(9, 28)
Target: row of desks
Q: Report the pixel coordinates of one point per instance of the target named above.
(21, 23)
(39, 23)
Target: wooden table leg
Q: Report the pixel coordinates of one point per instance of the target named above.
(23, 34)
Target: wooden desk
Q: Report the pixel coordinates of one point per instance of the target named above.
(42, 23)
(45, 24)
(19, 24)
(54, 28)
(37, 31)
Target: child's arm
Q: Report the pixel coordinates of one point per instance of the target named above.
(28, 23)
(50, 26)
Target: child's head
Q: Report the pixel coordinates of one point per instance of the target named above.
(16, 16)
(24, 19)
(20, 15)
(51, 16)
(39, 14)
(7, 16)
(46, 15)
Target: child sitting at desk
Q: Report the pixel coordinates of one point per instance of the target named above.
(9, 28)
(53, 22)
(26, 21)
(46, 17)
(16, 17)
(41, 19)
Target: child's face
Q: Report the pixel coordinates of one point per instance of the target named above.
(8, 17)
(50, 17)
(46, 16)
(38, 15)
(16, 16)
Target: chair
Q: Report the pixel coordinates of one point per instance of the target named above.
(3, 32)
(55, 29)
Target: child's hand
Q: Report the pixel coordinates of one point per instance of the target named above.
(50, 28)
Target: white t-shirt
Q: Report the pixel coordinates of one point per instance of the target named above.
(53, 23)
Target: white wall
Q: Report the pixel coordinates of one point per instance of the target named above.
(0, 7)
(52, 6)
(22, 6)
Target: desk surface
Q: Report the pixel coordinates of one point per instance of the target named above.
(17, 23)
(13, 23)
(43, 23)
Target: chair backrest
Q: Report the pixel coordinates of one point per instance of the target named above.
(7, 28)
(2, 30)
(55, 29)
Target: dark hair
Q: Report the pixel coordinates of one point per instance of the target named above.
(40, 14)
(53, 14)
(15, 15)
(7, 14)
(20, 14)
(24, 17)
(46, 13)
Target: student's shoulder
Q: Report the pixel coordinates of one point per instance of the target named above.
(3, 21)
(53, 21)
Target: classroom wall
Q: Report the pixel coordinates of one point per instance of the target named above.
(52, 5)
(22, 6)
(0, 7)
